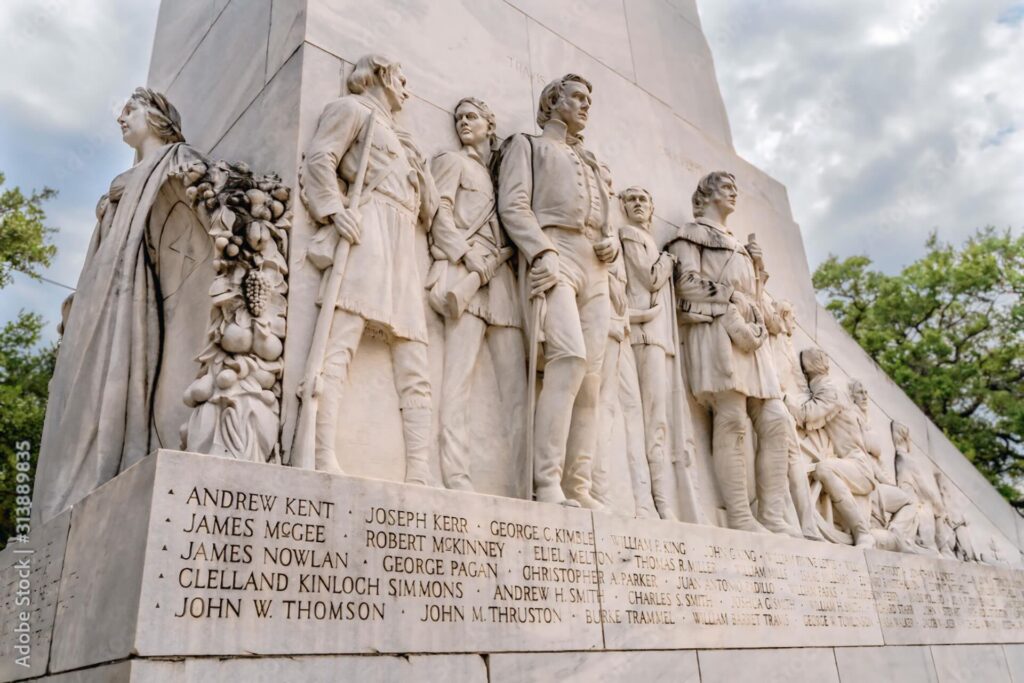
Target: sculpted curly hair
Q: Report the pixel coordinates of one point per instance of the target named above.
(706, 189)
(485, 111)
(369, 70)
(163, 119)
(552, 91)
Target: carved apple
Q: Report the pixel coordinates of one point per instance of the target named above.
(227, 378)
(237, 339)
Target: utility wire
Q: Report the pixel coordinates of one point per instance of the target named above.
(44, 279)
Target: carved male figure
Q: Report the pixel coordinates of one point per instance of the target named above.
(781, 323)
(380, 285)
(553, 201)
(652, 320)
(919, 483)
(620, 387)
(963, 539)
(729, 367)
(887, 498)
(478, 286)
(850, 473)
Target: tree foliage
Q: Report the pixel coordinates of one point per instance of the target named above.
(25, 367)
(24, 243)
(25, 370)
(949, 329)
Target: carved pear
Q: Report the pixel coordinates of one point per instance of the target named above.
(267, 346)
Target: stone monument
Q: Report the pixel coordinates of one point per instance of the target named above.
(279, 447)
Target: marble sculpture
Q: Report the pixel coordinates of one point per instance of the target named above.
(534, 257)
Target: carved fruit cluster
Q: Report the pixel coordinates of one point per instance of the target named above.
(257, 292)
(236, 395)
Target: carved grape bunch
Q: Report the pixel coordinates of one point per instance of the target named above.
(257, 292)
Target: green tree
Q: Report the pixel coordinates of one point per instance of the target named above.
(25, 370)
(25, 367)
(24, 244)
(949, 329)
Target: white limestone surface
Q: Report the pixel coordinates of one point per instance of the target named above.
(340, 669)
(929, 600)
(911, 664)
(29, 582)
(104, 564)
(768, 666)
(245, 559)
(608, 667)
(673, 585)
(971, 664)
(192, 556)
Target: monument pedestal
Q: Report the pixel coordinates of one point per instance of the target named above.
(190, 567)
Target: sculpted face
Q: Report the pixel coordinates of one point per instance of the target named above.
(638, 207)
(470, 125)
(573, 107)
(394, 88)
(725, 196)
(134, 127)
(785, 310)
(859, 394)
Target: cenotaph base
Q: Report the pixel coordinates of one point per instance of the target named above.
(454, 341)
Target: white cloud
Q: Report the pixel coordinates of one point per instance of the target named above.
(69, 65)
(884, 120)
(72, 58)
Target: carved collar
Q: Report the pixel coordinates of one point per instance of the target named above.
(707, 222)
(708, 233)
(376, 107)
(557, 130)
(473, 154)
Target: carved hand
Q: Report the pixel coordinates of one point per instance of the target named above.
(743, 303)
(543, 273)
(492, 268)
(607, 249)
(754, 249)
(346, 225)
(476, 263)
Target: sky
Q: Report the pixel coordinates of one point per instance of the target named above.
(885, 120)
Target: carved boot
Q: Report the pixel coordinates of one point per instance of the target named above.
(731, 473)
(581, 444)
(848, 510)
(800, 490)
(661, 484)
(772, 468)
(327, 430)
(578, 482)
(416, 429)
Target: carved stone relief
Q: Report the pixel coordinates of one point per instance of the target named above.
(719, 283)
(236, 398)
(473, 285)
(842, 468)
(781, 324)
(365, 180)
(177, 234)
(553, 199)
(536, 264)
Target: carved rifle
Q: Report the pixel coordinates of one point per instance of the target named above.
(312, 380)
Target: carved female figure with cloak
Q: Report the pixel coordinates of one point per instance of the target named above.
(99, 419)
